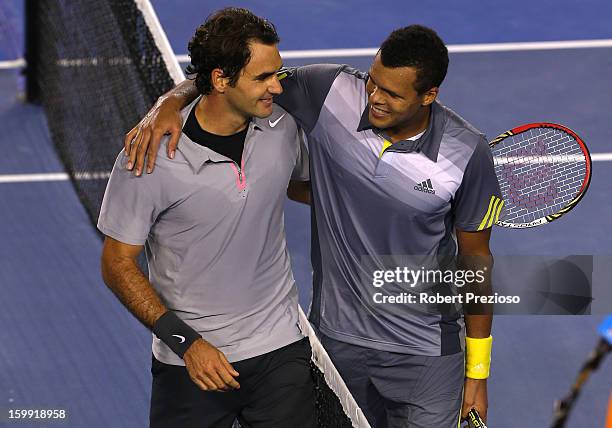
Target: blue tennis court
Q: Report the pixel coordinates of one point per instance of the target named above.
(68, 344)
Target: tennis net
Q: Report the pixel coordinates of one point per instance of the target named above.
(97, 67)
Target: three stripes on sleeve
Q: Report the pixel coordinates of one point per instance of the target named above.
(492, 215)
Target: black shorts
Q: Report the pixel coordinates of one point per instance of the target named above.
(276, 390)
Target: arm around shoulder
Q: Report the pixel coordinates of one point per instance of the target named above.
(142, 142)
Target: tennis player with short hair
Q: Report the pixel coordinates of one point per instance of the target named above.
(393, 172)
(220, 298)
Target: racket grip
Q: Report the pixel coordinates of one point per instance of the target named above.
(474, 420)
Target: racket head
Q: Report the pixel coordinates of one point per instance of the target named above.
(544, 170)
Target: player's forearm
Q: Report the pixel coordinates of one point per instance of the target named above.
(299, 191)
(133, 289)
(478, 326)
(182, 94)
(478, 316)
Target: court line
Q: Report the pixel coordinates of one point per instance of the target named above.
(358, 52)
(465, 48)
(14, 63)
(62, 176)
(52, 176)
(32, 178)
(597, 157)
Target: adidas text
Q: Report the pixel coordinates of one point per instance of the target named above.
(425, 187)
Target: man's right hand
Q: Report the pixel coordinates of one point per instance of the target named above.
(208, 367)
(144, 139)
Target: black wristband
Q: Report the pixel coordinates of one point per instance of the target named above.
(175, 333)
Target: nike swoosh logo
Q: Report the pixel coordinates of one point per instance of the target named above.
(181, 338)
(273, 124)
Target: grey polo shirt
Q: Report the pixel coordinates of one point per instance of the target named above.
(214, 236)
(372, 199)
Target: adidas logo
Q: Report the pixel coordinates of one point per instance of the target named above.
(426, 187)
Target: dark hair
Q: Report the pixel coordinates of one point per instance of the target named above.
(223, 42)
(419, 47)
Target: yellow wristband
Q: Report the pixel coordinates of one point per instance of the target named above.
(478, 357)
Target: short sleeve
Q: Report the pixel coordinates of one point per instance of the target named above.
(128, 209)
(478, 203)
(304, 91)
(301, 170)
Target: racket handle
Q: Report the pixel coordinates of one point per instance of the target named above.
(474, 420)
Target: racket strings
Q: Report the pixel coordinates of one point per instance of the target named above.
(540, 171)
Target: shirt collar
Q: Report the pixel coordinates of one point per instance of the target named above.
(196, 154)
(429, 143)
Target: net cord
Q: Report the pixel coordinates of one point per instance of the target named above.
(320, 356)
(161, 40)
(332, 377)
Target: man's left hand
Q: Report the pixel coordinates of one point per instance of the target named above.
(475, 397)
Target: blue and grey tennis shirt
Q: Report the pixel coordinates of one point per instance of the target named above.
(373, 199)
(214, 236)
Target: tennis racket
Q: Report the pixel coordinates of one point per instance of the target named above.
(543, 169)
(474, 420)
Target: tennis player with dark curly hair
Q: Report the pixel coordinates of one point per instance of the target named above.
(220, 298)
(393, 173)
